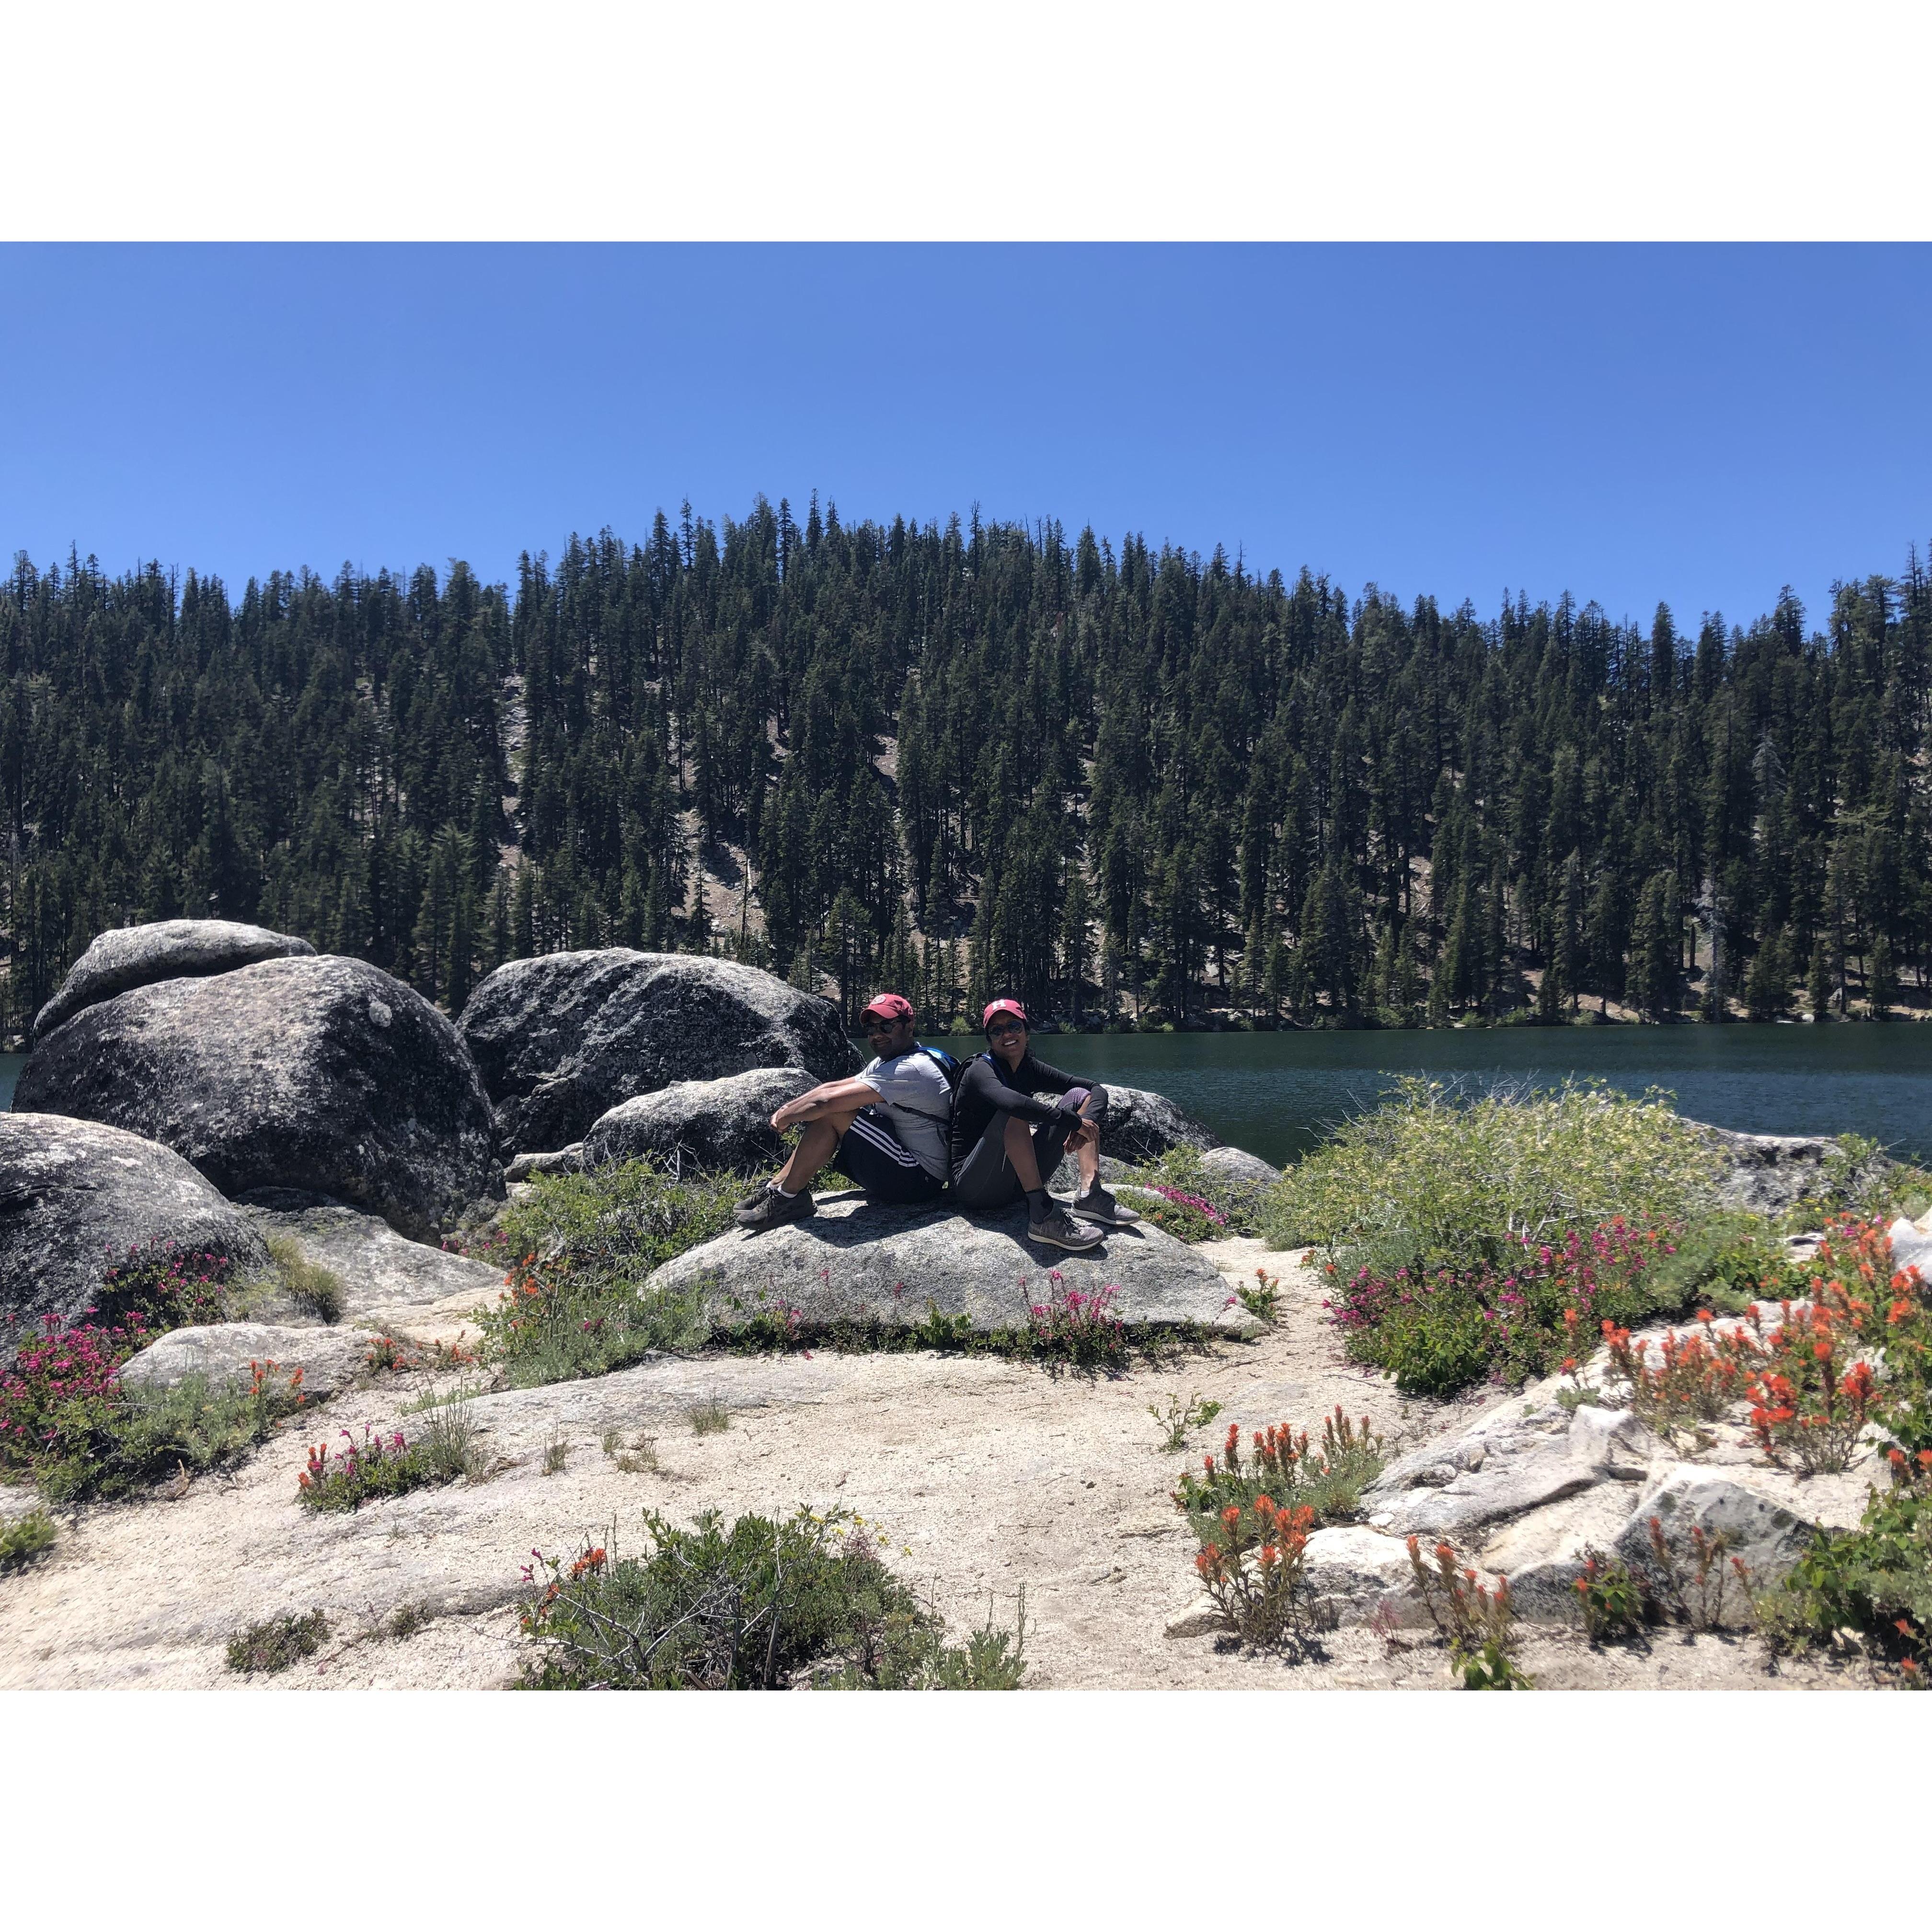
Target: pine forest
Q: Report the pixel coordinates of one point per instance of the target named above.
(1132, 786)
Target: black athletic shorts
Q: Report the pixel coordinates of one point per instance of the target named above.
(871, 1154)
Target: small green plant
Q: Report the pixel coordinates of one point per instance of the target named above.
(1868, 1589)
(25, 1538)
(404, 1622)
(708, 1417)
(577, 1251)
(1252, 1564)
(1179, 1420)
(640, 1458)
(277, 1642)
(1078, 1330)
(391, 1465)
(556, 1453)
(1477, 1624)
(1693, 1588)
(758, 1605)
(1607, 1596)
(612, 1441)
(315, 1289)
(1263, 1299)
(1327, 1480)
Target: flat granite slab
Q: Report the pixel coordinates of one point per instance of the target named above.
(856, 1262)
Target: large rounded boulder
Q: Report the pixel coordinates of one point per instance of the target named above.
(170, 948)
(77, 1199)
(562, 1039)
(1141, 1125)
(322, 1074)
(712, 1126)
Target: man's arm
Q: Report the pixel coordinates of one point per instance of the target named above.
(829, 1097)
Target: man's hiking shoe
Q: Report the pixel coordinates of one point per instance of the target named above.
(1100, 1206)
(769, 1208)
(1056, 1231)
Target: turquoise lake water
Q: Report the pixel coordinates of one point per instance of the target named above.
(1277, 1093)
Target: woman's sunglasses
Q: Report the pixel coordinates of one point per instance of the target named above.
(1001, 1029)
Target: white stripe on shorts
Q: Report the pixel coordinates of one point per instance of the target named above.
(887, 1143)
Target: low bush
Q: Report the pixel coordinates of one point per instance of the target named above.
(25, 1538)
(1219, 1206)
(759, 1605)
(1187, 1217)
(577, 1250)
(391, 1465)
(1477, 1624)
(1724, 1261)
(1328, 1480)
(1858, 1180)
(1869, 1587)
(1073, 1330)
(276, 1642)
(1437, 1330)
(314, 1289)
(1437, 1178)
(67, 1422)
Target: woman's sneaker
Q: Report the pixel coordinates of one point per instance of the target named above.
(1056, 1230)
(1097, 1204)
(769, 1208)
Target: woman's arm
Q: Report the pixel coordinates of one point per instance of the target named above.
(992, 1093)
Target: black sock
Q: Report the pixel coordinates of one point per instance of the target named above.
(1036, 1205)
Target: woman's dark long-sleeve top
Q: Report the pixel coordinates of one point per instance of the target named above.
(988, 1087)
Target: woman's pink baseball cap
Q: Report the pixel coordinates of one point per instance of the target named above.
(1012, 1006)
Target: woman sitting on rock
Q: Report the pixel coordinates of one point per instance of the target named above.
(1006, 1142)
(886, 1128)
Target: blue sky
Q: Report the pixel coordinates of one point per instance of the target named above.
(1702, 424)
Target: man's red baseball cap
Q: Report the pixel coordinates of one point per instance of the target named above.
(1012, 1006)
(888, 1007)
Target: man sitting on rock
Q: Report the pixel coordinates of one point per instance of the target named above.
(1007, 1142)
(886, 1129)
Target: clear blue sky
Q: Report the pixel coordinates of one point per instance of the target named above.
(1700, 424)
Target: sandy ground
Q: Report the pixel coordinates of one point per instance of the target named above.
(983, 1476)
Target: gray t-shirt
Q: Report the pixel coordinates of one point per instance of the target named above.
(912, 1090)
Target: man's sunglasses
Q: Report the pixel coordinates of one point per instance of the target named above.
(879, 1026)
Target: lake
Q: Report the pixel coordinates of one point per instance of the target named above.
(1277, 1094)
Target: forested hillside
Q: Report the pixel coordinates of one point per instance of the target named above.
(1134, 782)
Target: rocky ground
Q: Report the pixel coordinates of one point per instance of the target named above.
(986, 1476)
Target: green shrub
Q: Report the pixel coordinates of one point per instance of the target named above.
(1872, 1585)
(315, 1289)
(1721, 1261)
(1436, 1330)
(276, 1642)
(756, 1606)
(577, 1250)
(135, 1437)
(25, 1538)
(1437, 1178)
